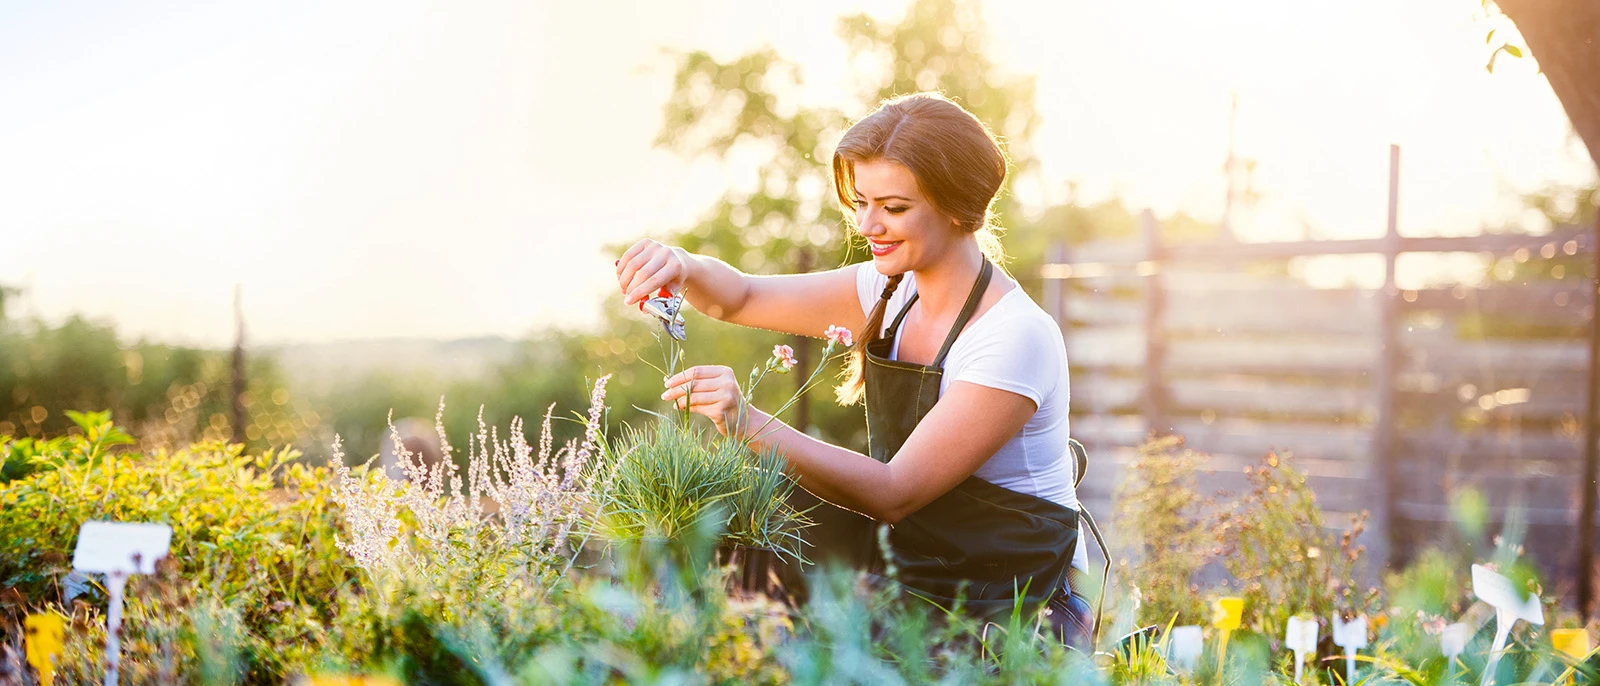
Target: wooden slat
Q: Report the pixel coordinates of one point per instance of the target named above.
(1257, 355)
(1336, 493)
(1274, 310)
(1103, 393)
(1490, 243)
(1105, 347)
(1534, 403)
(1254, 438)
(1477, 447)
(1127, 252)
(1571, 300)
(1258, 395)
(1501, 491)
(1104, 432)
(1101, 310)
(1539, 516)
(1112, 251)
(1441, 351)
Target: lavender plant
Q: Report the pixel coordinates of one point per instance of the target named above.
(526, 504)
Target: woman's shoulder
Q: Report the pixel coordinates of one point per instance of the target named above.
(1015, 314)
(1015, 327)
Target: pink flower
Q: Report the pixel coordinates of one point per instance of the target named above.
(783, 355)
(839, 335)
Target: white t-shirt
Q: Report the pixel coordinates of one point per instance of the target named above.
(1016, 347)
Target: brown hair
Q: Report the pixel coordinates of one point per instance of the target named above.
(958, 166)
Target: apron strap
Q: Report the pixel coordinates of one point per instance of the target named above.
(967, 309)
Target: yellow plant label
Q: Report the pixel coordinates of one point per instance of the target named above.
(43, 637)
(1228, 613)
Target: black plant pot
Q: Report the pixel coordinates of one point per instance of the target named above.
(756, 571)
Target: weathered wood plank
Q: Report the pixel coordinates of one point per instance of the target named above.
(1277, 355)
(1572, 301)
(1273, 310)
(1254, 438)
(1098, 393)
(1534, 403)
(1105, 347)
(1113, 251)
(1106, 432)
(1441, 351)
(1469, 448)
(1101, 310)
(1565, 240)
(1261, 395)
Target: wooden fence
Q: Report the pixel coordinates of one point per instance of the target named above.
(1389, 399)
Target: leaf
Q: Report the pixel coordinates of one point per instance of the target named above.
(1489, 38)
(1512, 50)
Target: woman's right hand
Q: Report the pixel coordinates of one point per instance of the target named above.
(648, 267)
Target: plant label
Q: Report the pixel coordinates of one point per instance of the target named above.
(1495, 589)
(118, 550)
(1351, 636)
(1184, 647)
(1301, 637)
(1510, 604)
(1453, 640)
(121, 548)
(43, 634)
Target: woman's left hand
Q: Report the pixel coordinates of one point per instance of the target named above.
(710, 390)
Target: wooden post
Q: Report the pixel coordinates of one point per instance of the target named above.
(1154, 338)
(238, 365)
(1383, 430)
(1591, 434)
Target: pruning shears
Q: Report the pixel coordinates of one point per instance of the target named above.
(669, 309)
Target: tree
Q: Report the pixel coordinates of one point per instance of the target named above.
(1564, 35)
(787, 219)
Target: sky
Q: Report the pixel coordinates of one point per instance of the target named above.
(447, 170)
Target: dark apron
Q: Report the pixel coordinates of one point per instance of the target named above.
(980, 542)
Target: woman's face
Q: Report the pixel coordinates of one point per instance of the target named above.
(903, 229)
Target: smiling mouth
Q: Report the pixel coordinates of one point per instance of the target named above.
(881, 249)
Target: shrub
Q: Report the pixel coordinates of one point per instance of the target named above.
(255, 530)
(1282, 557)
(1159, 514)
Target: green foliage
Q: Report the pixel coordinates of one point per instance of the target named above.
(1285, 561)
(1160, 517)
(170, 395)
(671, 480)
(254, 530)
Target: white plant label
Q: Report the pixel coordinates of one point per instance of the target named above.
(119, 550)
(1452, 642)
(1184, 647)
(1301, 637)
(120, 547)
(1510, 604)
(1351, 636)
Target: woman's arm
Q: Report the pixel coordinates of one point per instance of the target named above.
(968, 425)
(804, 304)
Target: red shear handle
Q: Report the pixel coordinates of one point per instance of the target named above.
(663, 293)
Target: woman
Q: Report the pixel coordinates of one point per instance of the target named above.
(965, 389)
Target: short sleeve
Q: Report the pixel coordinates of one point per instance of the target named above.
(869, 285)
(1023, 355)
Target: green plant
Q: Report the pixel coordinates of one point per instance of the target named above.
(1160, 516)
(1283, 558)
(671, 479)
(255, 530)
